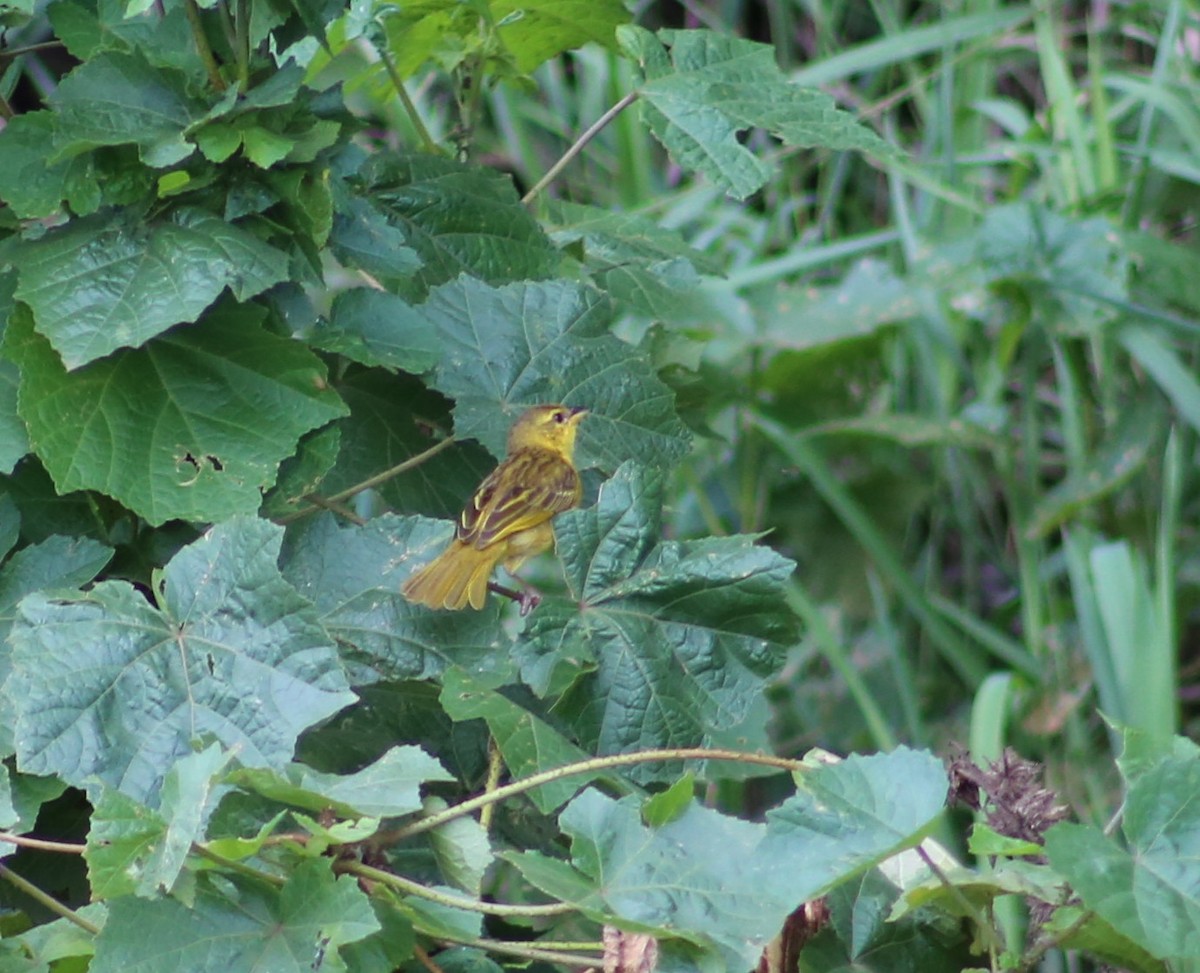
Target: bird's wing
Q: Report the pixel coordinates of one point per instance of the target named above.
(527, 489)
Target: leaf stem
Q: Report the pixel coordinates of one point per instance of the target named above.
(46, 900)
(578, 146)
(24, 841)
(582, 767)
(407, 885)
(494, 772)
(529, 952)
(370, 482)
(236, 866)
(192, 10)
(410, 108)
(242, 48)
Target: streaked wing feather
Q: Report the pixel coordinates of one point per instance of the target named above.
(527, 489)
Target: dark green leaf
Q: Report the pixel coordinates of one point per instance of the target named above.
(682, 635)
(392, 419)
(546, 28)
(106, 686)
(191, 426)
(104, 283)
(528, 744)
(29, 184)
(362, 237)
(239, 928)
(118, 99)
(460, 219)
(377, 328)
(509, 348)
(353, 576)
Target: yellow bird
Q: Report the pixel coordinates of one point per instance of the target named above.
(508, 519)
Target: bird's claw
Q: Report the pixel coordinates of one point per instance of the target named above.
(529, 600)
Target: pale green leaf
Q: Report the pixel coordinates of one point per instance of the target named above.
(108, 687)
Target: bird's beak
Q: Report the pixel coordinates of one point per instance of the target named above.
(578, 412)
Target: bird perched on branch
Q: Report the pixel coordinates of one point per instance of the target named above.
(507, 521)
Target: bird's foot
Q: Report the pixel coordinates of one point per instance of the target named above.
(528, 598)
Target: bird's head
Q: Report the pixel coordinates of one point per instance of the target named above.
(547, 427)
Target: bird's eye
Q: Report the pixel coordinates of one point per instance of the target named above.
(559, 416)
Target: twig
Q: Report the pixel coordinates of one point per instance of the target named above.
(591, 766)
(414, 116)
(372, 481)
(574, 150)
(402, 884)
(192, 10)
(46, 900)
(236, 866)
(495, 769)
(529, 952)
(67, 848)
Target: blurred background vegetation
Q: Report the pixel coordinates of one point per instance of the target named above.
(960, 390)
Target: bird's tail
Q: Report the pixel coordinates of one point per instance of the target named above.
(454, 579)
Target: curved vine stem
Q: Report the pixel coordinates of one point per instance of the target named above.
(591, 766)
(528, 952)
(410, 108)
(47, 900)
(408, 886)
(567, 157)
(192, 10)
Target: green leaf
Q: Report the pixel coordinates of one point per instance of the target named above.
(702, 89)
(191, 426)
(353, 577)
(389, 787)
(547, 28)
(103, 283)
(393, 419)
(239, 927)
(528, 744)
(1075, 929)
(682, 635)
(1149, 889)
(29, 184)
(458, 218)
(8, 813)
(505, 349)
(363, 237)
(377, 328)
(737, 893)
(106, 686)
(121, 99)
(132, 849)
(461, 848)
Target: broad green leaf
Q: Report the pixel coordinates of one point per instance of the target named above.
(505, 349)
(239, 927)
(103, 283)
(736, 894)
(386, 950)
(1077, 930)
(108, 687)
(528, 744)
(682, 635)
(191, 426)
(301, 474)
(394, 418)
(14, 437)
(59, 942)
(119, 99)
(34, 188)
(377, 328)
(702, 89)
(460, 219)
(91, 27)
(461, 848)
(57, 562)
(389, 787)
(363, 237)
(125, 848)
(1149, 888)
(537, 30)
(353, 577)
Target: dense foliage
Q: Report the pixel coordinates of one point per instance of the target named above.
(891, 446)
